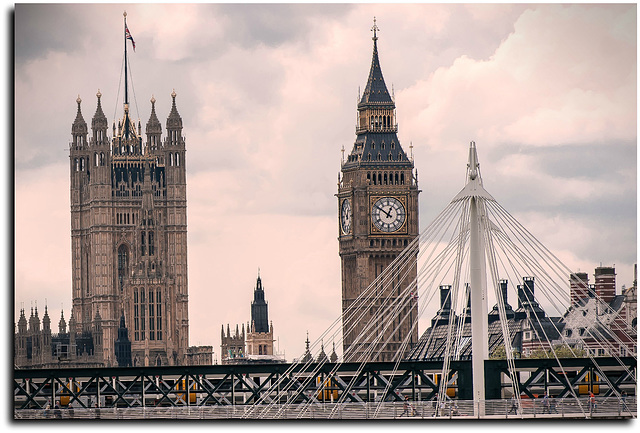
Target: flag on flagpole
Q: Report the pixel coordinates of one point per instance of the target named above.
(127, 35)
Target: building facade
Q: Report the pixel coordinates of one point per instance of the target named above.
(378, 218)
(129, 233)
(36, 346)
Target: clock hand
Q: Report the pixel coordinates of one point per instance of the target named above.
(388, 213)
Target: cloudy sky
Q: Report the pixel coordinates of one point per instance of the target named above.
(268, 98)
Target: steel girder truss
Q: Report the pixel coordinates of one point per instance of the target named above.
(298, 384)
(570, 377)
(229, 384)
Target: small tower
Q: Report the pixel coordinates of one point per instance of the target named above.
(260, 334)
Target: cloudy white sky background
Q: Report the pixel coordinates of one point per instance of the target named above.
(268, 97)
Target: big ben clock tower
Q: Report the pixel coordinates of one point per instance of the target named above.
(378, 218)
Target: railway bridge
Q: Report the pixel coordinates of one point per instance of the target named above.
(346, 390)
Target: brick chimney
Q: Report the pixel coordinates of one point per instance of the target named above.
(605, 283)
(579, 285)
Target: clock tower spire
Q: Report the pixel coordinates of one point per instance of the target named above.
(378, 217)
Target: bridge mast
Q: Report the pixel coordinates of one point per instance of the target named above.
(476, 194)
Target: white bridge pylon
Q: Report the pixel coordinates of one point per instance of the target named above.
(477, 251)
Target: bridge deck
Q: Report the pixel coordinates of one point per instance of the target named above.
(462, 410)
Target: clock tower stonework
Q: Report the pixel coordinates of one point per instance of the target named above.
(378, 219)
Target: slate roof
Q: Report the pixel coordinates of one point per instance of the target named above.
(374, 149)
(376, 92)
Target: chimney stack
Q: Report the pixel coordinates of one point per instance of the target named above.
(605, 283)
(579, 287)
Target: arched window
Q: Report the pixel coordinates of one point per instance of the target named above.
(177, 160)
(401, 178)
(123, 264)
(171, 160)
(143, 247)
(96, 159)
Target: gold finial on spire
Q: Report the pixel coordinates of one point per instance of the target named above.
(173, 94)
(375, 29)
(153, 99)
(78, 100)
(124, 14)
(99, 94)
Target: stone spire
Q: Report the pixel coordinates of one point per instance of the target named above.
(99, 120)
(22, 322)
(174, 121)
(79, 127)
(46, 321)
(62, 324)
(153, 124)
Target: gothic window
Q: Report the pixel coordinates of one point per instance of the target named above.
(401, 178)
(123, 264)
(385, 178)
(171, 159)
(260, 349)
(396, 180)
(159, 314)
(369, 178)
(152, 317)
(96, 159)
(142, 315)
(151, 244)
(75, 162)
(379, 174)
(143, 243)
(136, 315)
(177, 159)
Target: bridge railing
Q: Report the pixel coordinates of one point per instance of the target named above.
(604, 407)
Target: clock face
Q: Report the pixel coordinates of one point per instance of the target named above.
(345, 216)
(388, 214)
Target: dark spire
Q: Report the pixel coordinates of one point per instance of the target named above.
(122, 346)
(307, 353)
(376, 91)
(259, 309)
(62, 324)
(333, 357)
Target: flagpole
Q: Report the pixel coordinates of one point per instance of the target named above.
(126, 90)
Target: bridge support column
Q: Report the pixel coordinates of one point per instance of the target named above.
(479, 343)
